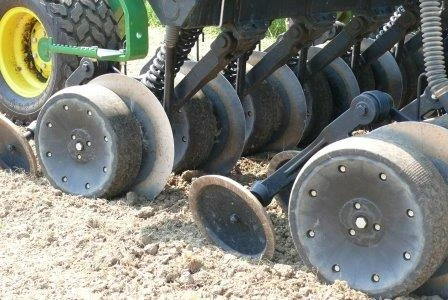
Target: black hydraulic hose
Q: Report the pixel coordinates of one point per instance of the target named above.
(430, 12)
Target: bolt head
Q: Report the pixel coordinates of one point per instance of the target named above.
(361, 222)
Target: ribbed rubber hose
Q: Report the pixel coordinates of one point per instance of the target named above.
(430, 12)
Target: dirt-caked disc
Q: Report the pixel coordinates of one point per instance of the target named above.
(387, 74)
(319, 102)
(343, 83)
(158, 142)
(275, 112)
(371, 213)
(228, 141)
(276, 163)
(231, 217)
(88, 142)
(15, 151)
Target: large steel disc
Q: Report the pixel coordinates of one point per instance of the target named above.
(276, 163)
(319, 102)
(194, 128)
(370, 213)
(15, 151)
(88, 142)
(343, 83)
(158, 142)
(275, 112)
(231, 217)
(229, 139)
(387, 74)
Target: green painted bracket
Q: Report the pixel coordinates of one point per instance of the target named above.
(136, 32)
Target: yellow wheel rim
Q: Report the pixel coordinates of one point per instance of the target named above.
(20, 65)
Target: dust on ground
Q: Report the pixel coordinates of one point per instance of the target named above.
(55, 245)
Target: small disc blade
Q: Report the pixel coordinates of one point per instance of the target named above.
(15, 151)
(231, 217)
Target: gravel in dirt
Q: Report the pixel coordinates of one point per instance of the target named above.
(55, 245)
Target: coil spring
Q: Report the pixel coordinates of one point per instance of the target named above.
(231, 71)
(293, 62)
(393, 19)
(154, 79)
(433, 51)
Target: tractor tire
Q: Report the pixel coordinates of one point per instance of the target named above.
(26, 81)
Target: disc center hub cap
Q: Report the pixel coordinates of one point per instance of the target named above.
(80, 146)
(362, 220)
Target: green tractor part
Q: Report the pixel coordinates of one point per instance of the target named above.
(136, 32)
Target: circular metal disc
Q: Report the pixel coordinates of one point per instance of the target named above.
(229, 139)
(15, 151)
(88, 142)
(319, 106)
(387, 74)
(194, 128)
(276, 163)
(275, 112)
(231, 217)
(359, 213)
(343, 83)
(158, 142)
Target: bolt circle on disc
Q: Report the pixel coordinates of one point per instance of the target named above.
(158, 141)
(15, 151)
(231, 217)
(88, 142)
(358, 213)
(276, 163)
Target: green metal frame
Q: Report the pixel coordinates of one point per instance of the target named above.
(133, 14)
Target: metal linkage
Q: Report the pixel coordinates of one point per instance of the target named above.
(366, 109)
(83, 73)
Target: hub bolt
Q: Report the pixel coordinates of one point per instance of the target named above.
(234, 218)
(89, 113)
(375, 278)
(410, 213)
(311, 234)
(383, 177)
(342, 169)
(87, 186)
(106, 139)
(79, 157)
(105, 170)
(79, 146)
(336, 268)
(49, 154)
(49, 125)
(377, 227)
(357, 206)
(407, 255)
(361, 222)
(65, 107)
(64, 179)
(313, 193)
(352, 232)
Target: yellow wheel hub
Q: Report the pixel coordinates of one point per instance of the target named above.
(20, 65)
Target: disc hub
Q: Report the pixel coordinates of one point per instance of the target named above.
(81, 146)
(362, 220)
